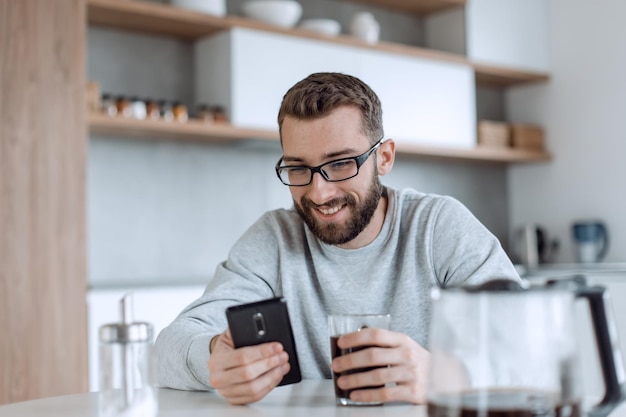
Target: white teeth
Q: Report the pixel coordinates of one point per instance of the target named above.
(329, 211)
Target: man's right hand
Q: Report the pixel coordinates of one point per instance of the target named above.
(247, 374)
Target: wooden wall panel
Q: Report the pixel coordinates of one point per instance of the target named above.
(43, 140)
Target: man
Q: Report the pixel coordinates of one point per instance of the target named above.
(349, 245)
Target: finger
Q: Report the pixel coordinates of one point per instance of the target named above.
(382, 356)
(380, 376)
(371, 337)
(255, 370)
(250, 354)
(385, 384)
(252, 391)
(365, 358)
(220, 377)
(400, 350)
(411, 377)
(381, 366)
(405, 393)
(368, 378)
(227, 339)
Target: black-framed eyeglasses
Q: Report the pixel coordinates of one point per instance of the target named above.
(332, 171)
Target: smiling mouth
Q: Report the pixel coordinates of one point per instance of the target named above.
(328, 211)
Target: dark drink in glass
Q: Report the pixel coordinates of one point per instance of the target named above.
(344, 395)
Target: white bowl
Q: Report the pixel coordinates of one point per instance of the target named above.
(283, 13)
(328, 27)
(214, 7)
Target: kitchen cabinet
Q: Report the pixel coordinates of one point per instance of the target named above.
(507, 33)
(425, 102)
(229, 66)
(419, 96)
(43, 251)
(163, 19)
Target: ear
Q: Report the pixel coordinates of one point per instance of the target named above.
(385, 155)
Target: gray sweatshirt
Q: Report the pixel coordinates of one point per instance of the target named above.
(426, 240)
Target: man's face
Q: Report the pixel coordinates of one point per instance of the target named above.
(336, 212)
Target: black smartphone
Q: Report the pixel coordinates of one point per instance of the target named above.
(265, 321)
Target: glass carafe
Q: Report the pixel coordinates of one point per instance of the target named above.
(501, 350)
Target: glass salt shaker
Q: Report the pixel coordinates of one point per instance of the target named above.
(127, 375)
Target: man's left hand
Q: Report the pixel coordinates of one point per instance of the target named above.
(401, 363)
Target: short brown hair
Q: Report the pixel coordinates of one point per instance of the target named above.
(320, 93)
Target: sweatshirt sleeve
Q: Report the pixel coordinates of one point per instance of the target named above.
(464, 250)
(249, 274)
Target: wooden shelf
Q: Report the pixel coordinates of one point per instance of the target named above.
(477, 154)
(505, 77)
(100, 124)
(163, 19)
(418, 7)
(153, 18)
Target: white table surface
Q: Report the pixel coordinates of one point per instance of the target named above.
(309, 398)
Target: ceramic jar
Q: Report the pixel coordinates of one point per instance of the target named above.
(364, 26)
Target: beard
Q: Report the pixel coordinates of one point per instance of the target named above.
(340, 233)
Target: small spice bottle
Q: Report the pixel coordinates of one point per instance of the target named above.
(124, 107)
(138, 108)
(180, 112)
(152, 110)
(204, 113)
(167, 113)
(219, 114)
(108, 105)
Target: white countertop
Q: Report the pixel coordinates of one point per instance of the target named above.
(309, 398)
(557, 270)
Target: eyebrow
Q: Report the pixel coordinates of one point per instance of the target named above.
(329, 156)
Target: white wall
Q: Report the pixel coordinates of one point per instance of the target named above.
(583, 110)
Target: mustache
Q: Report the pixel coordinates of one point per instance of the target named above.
(309, 204)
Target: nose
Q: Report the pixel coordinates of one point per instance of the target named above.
(320, 190)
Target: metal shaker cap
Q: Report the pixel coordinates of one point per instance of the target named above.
(126, 333)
